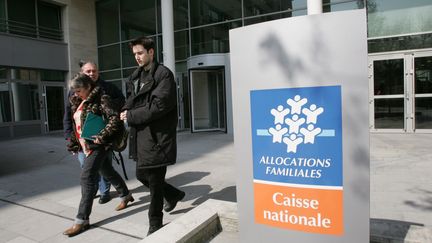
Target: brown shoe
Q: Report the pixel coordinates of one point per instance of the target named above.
(125, 202)
(76, 229)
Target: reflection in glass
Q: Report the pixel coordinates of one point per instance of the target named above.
(159, 49)
(128, 57)
(128, 71)
(389, 77)
(389, 113)
(180, 14)
(52, 75)
(22, 20)
(2, 16)
(138, 18)
(5, 105)
(110, 75)
(209, 11)
(109, 57)
(423, 75)
(55, 109)
(107, 21)
(181, 67)
(212, 39)
(265, 18)
(25, 101)
(400, 43)
(185, 98)
(181, 41)
(24, 74)
(3, 72)
(341, 5)
(259, 7)
(396, 17)
(423, 114)
(208, 100)
(49, 21)
(117, 83)
(159, 16)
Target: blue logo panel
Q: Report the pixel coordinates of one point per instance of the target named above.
(297, 135)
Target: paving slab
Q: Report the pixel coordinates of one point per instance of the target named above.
(39, 188)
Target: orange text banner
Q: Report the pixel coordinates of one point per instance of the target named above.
(304, 209)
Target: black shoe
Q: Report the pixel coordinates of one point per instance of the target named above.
(104, 199)
(153, 229)
(169, 206)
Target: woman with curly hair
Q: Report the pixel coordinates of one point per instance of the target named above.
(89, 97)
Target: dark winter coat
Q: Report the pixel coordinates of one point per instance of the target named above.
(152, 117)
(100, 104)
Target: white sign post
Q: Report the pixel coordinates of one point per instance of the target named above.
(300, 104)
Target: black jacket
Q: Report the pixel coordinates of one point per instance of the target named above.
(152, 117)
(110, 89)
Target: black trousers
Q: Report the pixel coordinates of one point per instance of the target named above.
(154, 179)
(95, 164)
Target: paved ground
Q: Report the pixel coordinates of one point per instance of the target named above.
(39, 186)
(39, 189)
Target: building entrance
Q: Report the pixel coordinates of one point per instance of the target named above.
(401, 92)
(208, 100)
(53, 105)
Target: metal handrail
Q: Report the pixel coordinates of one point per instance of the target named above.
(25, 29)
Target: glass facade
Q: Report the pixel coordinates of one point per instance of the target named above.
(395, 25)
(200, 27)
(49, 21)
(20, 95)
(2, 16)
(25, 96)
(5, 103)
(399, 17)
(138, 18)
(204, 12)
(38, 19)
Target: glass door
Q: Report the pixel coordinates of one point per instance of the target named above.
(401, 92)
(208, 100)
(53, 97)
(422, 66)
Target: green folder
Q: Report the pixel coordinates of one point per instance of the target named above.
(93, 124)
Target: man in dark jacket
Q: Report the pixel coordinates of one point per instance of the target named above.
(90, 69)
(151, 113)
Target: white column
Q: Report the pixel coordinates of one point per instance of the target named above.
(314, 7)
(168, 34)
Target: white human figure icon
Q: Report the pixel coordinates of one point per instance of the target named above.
(294, 123)
(296, 104)
(278, 133)
(292, 142)
(279, 114)
(312, 113)
(310, 133)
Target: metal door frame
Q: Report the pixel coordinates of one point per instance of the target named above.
(44, 105)
(409, 89)
(416, 55)
(192, 100)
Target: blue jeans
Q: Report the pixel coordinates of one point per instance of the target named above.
(94, 166)
(104, 185)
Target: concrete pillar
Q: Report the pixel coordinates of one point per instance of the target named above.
(168, 34)
(314, 7)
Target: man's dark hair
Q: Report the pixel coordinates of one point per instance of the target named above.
(147, 42)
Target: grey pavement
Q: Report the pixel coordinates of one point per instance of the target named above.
(39, 188)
